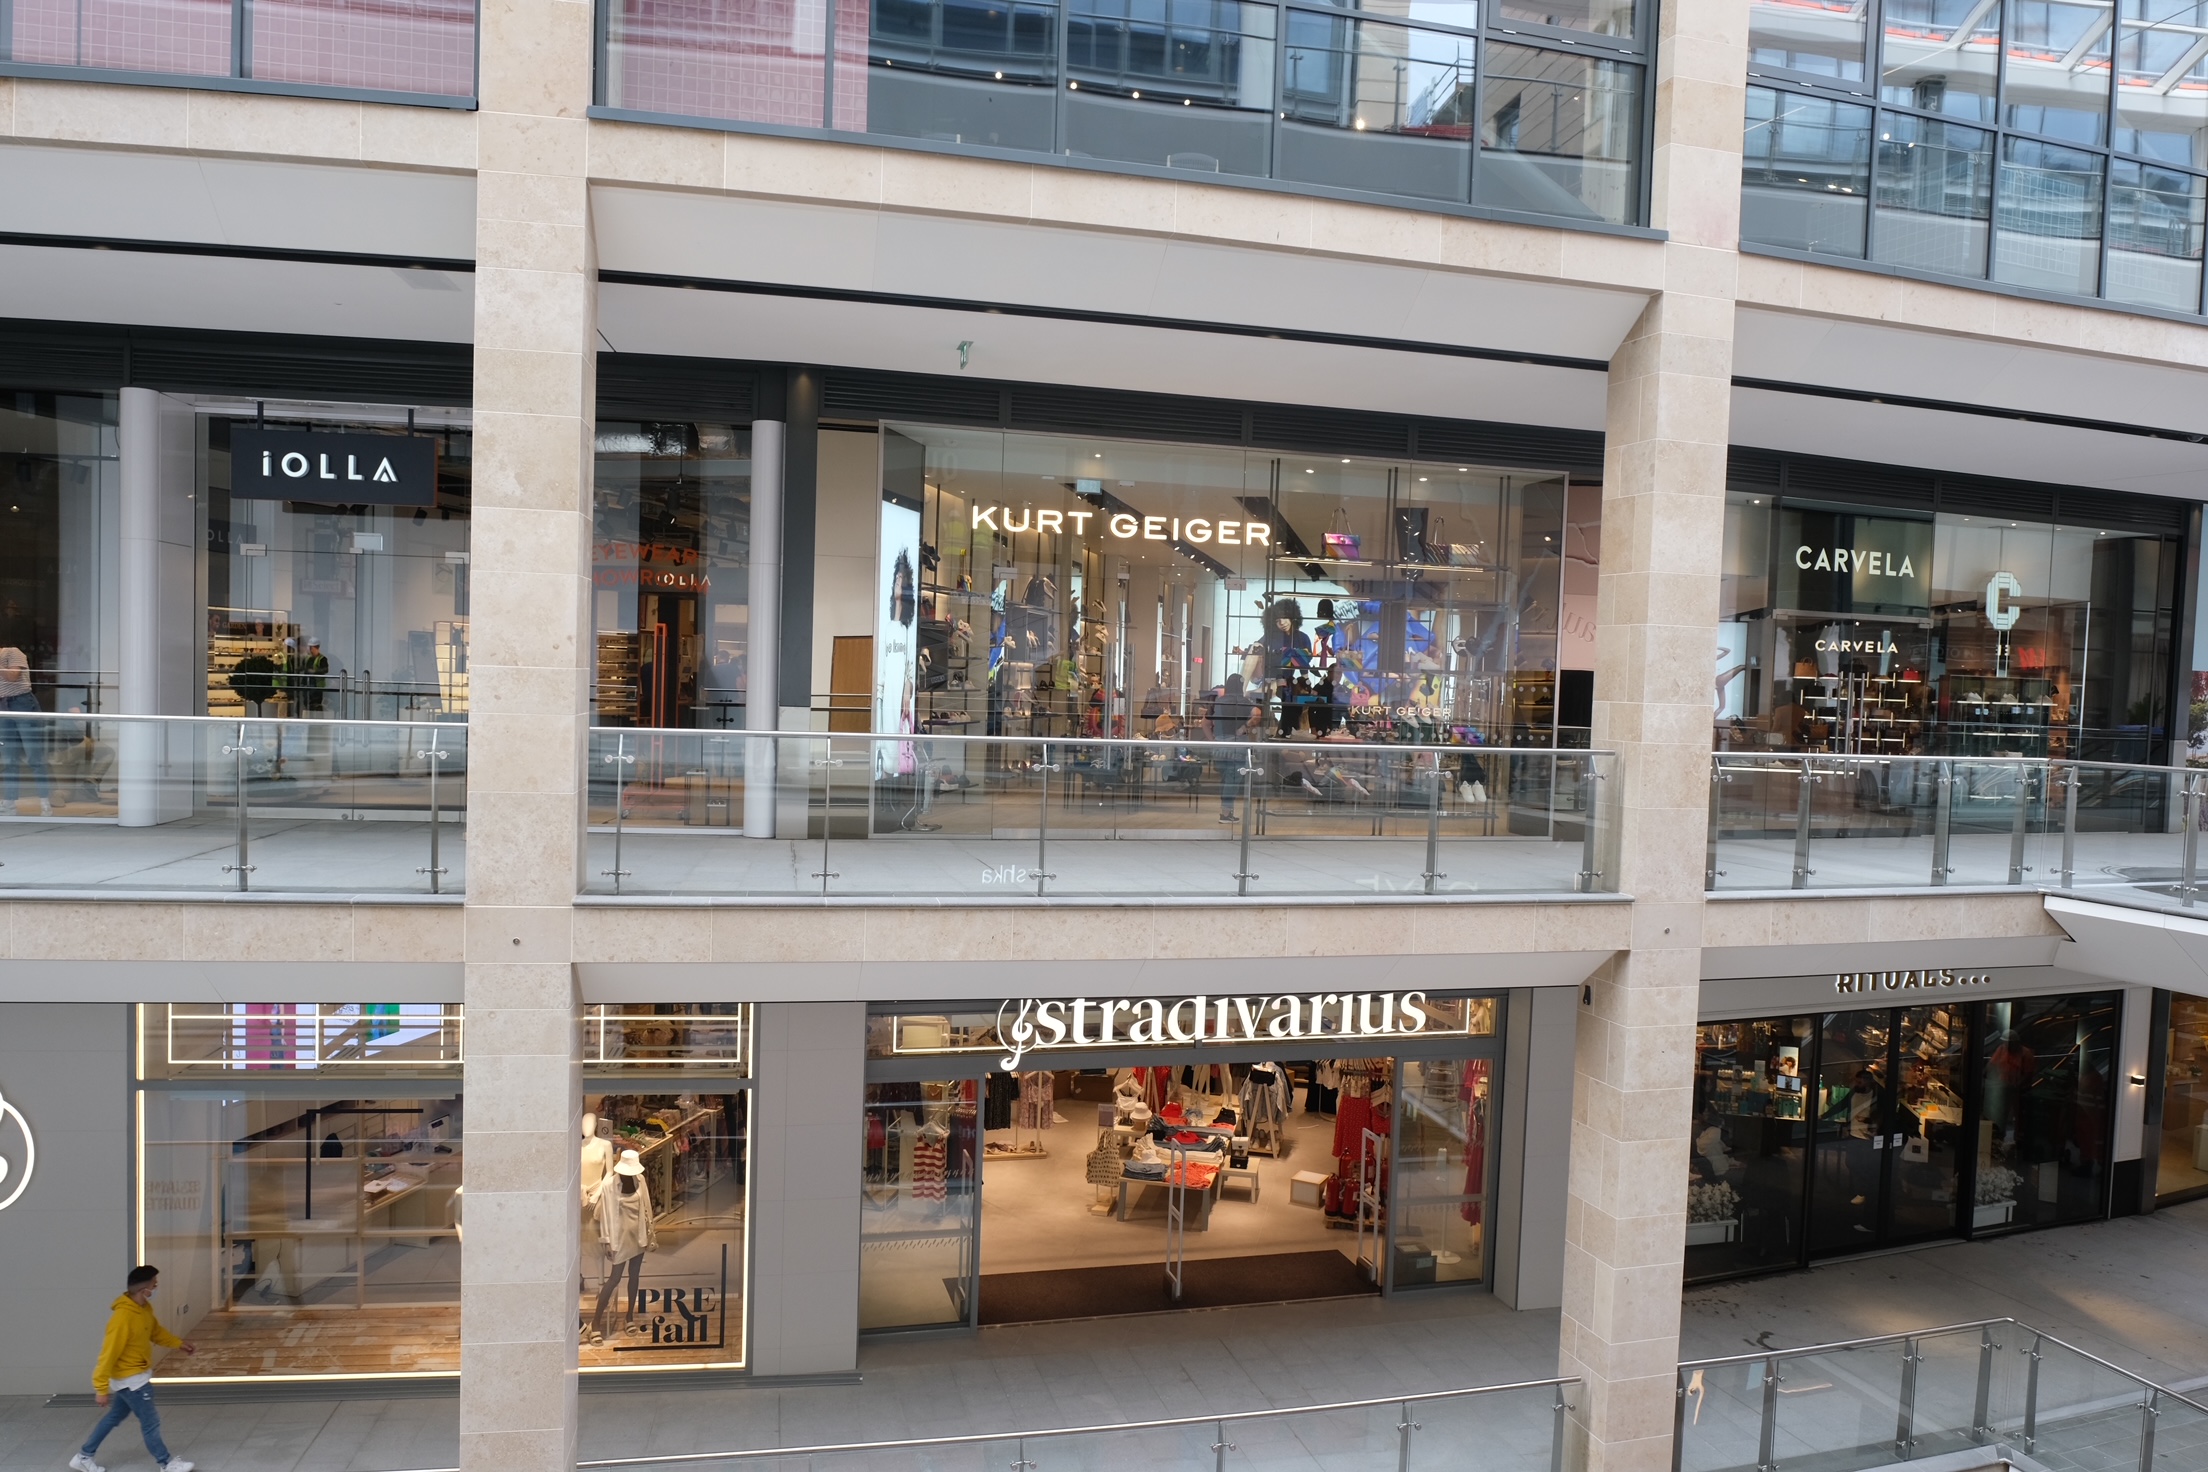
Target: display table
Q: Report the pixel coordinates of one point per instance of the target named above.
(1205, 1197)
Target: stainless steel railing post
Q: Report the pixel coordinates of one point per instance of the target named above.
(2188, 882)
(1220, 1446)
(436, 870)
(2071, 777)
(1042, 826)
(1404, 1427)
(2031, 1396)
(1804, 811)
(242, 868)
(1249, 770)
(1709, 856)
(2149, 1410)
(620, 759)
(1590, 863)
(1943, 814)
(1433, 828)
(1980, 1430)
(1905, 1424)
(1557, 1428)
(2019, 823)
(1767, 1438)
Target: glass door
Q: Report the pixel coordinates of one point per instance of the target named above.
(1852, 1098)
(920, 1224)
(1440, 1176)
(1924, 1137)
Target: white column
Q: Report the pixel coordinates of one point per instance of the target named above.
(763, 631)
(158, 663)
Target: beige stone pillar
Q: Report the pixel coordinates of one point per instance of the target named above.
(1662, 536)
(535, 385)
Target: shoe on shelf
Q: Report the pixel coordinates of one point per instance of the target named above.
(82, 1463)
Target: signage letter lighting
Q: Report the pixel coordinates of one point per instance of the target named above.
(22, 1177)
(2002, 591)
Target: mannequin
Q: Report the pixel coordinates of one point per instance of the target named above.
(625, 1234)
(597, 1163)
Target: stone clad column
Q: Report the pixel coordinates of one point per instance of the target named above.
(1662, 541)
(535, 386)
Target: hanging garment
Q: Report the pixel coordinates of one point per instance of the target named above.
(1037, 1105)
(1105, 1165)
(929, 1167)
(1004, 1092)
(901, 1132)
(1474, 1091)
(1157, 1087)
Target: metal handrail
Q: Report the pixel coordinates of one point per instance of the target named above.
(1139, 743)
(1871, 1341)
(1791, 760)
(980, 1439)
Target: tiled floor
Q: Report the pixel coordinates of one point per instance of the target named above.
(2133, 1291)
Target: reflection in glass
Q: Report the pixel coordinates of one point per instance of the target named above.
(1186, 84)
(919, 1208)
(2043, 1119)
(305, 1236)
(1817, 38)
(1940, 56)
(1805, 173)
(2055, 70)
(1749, 1146)
(1603, 17)
(2162, 82)
(1559, 135)
(1850, 1103)
(1371, 106)
(1924, 1153)
(2155, 219)
(2048, 217)
(758, 62)
(954, 71)
(2181, 1172)
(1934, 196)
(1441, 1172)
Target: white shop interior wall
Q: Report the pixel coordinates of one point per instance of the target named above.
(846, 513)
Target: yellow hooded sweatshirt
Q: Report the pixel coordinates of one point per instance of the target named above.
(132, 1331)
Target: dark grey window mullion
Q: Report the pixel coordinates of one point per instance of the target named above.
(1874, 76)
(1870, 205)
(1480, 47)
(7, 30)
(2000, 161)
(1281, 16)
(1058, 142)
(241, 38)
(601, 46)
(828, 66)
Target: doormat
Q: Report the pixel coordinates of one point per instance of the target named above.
(1139, 1288)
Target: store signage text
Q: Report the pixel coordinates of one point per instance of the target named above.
(2002, 591)
(332, 469)
(15, 1166)
(1876, 563)
(1883, 644)
(1855, 983)
(1033, 1025)
(1124, 526)
(695, 1316)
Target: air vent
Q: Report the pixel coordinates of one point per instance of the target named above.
(848, 395)
(641, 386)
(1752, 470)
(341, 369)
(1330, 431)
(2117, 511)
(1578, 451)
(1847, 480)
(1971, 495)
(1134, 416)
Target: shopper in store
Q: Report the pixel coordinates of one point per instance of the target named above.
(122, 1377)
(313, 678)
(1234, 717)
(22, 743)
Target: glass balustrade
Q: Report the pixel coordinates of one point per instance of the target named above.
(791, 815)
(2131, 834)
(157, 804)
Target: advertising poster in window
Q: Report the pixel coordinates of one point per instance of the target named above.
(896, 633)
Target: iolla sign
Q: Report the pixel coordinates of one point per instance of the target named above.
(16, 1164)
(1033, 1025)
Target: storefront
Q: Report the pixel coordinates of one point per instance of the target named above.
(2178, 1109)
(1844, 1113)
(300, 1181)
(1062, 1158)
(1876, 613)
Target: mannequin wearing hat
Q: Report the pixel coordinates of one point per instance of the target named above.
(625, 1234)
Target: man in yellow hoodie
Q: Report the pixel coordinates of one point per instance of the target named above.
(122, 1379)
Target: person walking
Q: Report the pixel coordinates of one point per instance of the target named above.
(122, 1378)
(1234, 717)
(22, 743)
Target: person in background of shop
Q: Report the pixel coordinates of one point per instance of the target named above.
(1156, 703)
(22, 743)
(314, 678)
(1234, 717)
(122, 1377)
(1324, 712)
(1711, 1159)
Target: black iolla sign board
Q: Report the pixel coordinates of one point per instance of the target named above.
(333, 469)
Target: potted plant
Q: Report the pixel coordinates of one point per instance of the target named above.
(1995, 1202)
(1713, 1214)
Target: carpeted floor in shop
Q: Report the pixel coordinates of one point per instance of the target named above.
(1139, 1288)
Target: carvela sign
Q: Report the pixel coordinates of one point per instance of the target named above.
(332, 469)
(1839, 562)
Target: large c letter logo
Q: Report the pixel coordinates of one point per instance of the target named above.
(2002, 591)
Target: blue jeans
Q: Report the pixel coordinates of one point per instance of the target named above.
(23, 747)
(139, 1403)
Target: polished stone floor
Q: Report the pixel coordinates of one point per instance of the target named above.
(2134, 1291)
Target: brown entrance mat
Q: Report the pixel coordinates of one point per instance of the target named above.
(1139, 1288)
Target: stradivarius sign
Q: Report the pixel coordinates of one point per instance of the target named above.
(18, 1153)
(332, 469)
(1038, 1025)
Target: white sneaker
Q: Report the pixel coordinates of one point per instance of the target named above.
(176, 1464)
(45, 807)
(83, 1463)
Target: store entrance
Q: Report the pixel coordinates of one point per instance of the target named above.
(1083, 1192)
(1888, 1128)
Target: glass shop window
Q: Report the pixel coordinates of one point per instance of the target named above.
(2045, 1110)
(1748, 1151)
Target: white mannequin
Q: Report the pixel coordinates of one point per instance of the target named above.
(597, 1161)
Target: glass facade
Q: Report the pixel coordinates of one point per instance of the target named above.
(1880, 632)
(2181, 1167)
(1398, 102)
(58, 576)
(300, 1185)
(1822, 1135)
(414, 49)
(2056, 146)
